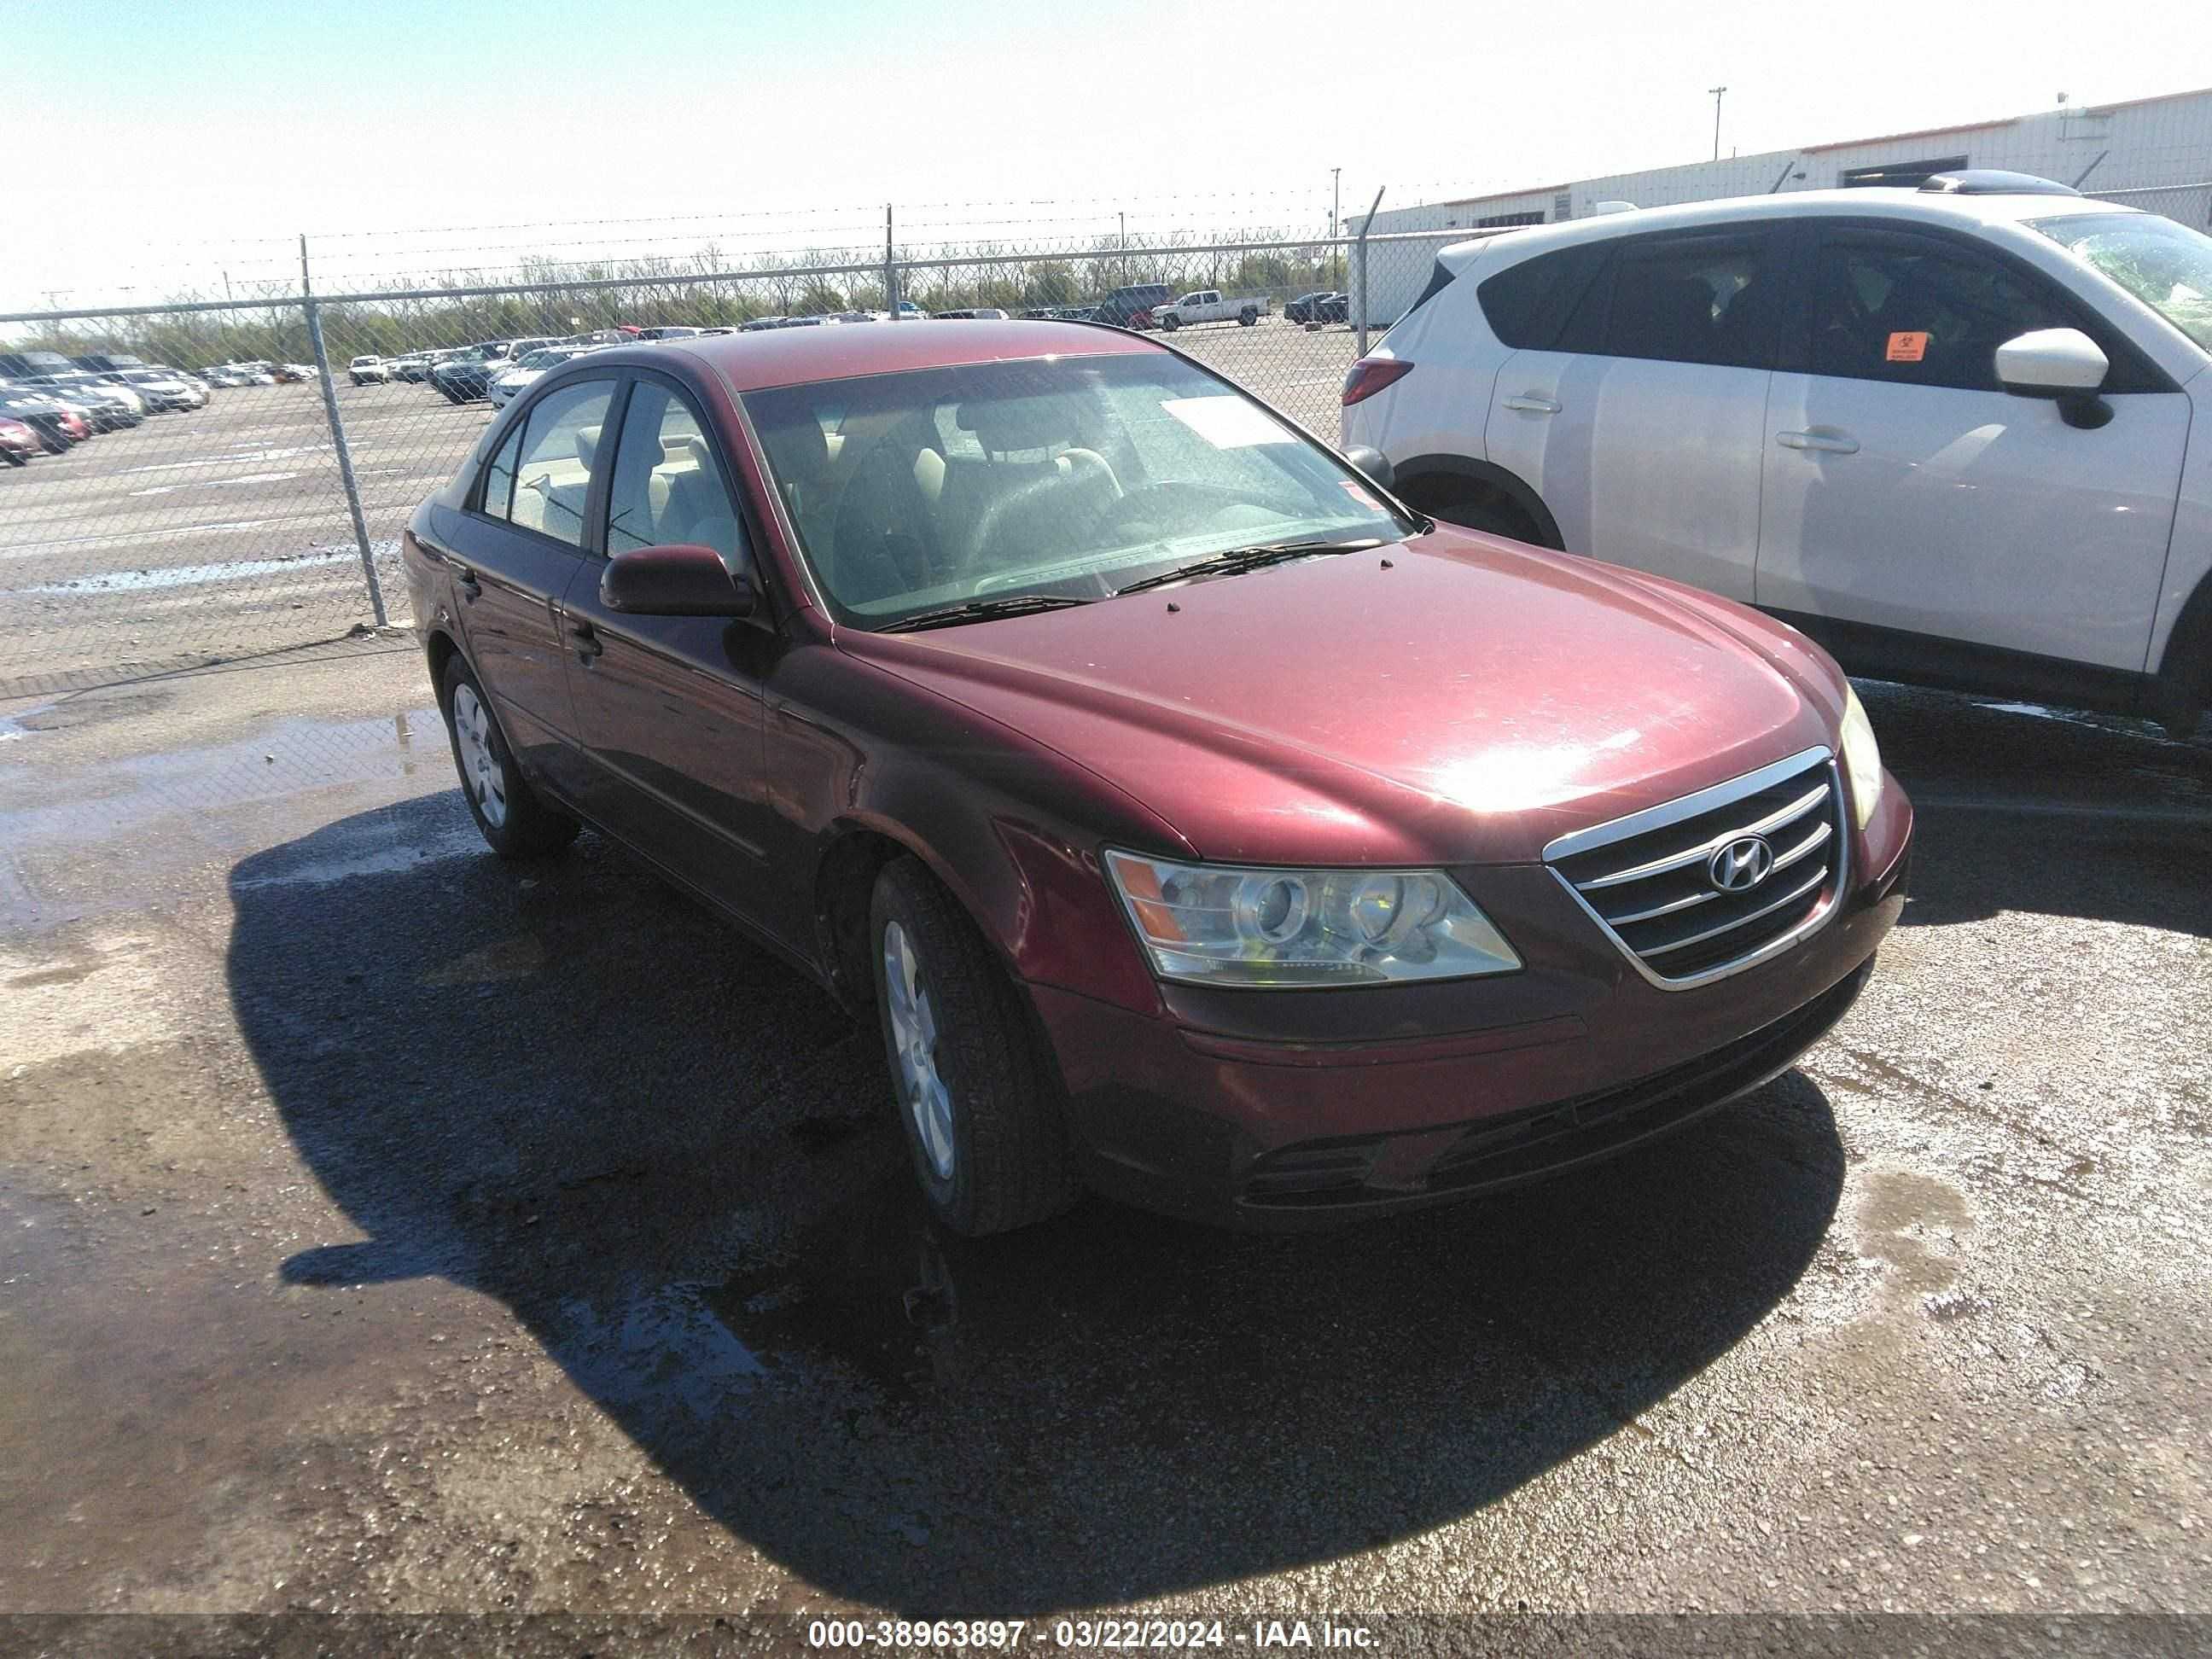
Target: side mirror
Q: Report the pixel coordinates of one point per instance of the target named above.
(2051, 360)
(1374, 463)
(2064, 363)
(682, 579)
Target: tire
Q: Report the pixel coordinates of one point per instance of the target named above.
(1246, 317)
(1456, 503)
(515, 822)
(1170, 323)
(975, 1098)
(15, 457)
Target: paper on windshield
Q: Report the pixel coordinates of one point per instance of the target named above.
(1228, 422)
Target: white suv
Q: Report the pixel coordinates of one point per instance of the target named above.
(1960, 434)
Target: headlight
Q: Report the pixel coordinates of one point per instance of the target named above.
(1222, 925)
(1861, 759)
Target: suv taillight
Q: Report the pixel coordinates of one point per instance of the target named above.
(1371, 374)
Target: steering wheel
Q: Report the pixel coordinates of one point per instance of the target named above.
(1002, 509)
(1132, 507)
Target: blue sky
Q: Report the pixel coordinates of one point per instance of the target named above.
(210, 132)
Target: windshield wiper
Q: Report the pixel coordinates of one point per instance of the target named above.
(1247, 558)
(1014, 604)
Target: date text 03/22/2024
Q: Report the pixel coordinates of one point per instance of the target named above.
(1085, 1633)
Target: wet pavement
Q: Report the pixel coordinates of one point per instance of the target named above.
(383, 1228)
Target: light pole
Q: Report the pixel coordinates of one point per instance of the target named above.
(1716, 92)
(1125, 248)
(1335, 195)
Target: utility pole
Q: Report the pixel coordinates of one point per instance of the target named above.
(1335, 195)
(1716, 92)
(1125, 248)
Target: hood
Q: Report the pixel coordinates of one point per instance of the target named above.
(1465, 703)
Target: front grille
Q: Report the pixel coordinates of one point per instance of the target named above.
(1649, 879)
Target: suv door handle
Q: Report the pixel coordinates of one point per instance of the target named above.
(1828, 443)
(465, 580)
(589, 643)
(1530, 404)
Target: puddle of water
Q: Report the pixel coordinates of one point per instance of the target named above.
(184, 576)
(113, 834)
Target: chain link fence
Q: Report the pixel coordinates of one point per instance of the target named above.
(255, 503)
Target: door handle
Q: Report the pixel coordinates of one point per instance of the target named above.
(589, 643)
(1827, 443)
(1530, 404)
(465, 580)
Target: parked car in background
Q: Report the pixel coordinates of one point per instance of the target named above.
(18, 442)
(972, 313)
(980, 689)
(108, 405)
(1323, 306)
(58, 425)
(1131, 306)
(1958, 433)
(524, 373)
(32, 365)
(165, 390)
(670, 331)
(468, 377)
(1210, 305)
(368, 371)
(109, 362)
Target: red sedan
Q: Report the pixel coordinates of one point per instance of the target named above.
(18, 443)
(1200, 824)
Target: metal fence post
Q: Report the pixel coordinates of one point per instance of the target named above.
(338, 439)
(890, 268)
(1361, 258)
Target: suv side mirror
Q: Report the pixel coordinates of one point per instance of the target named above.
(1374, 463)
(2045, 362)
(2064, 363)
(682, 579)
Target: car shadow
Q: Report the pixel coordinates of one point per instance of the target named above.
(568, 1088)
(2042, 810)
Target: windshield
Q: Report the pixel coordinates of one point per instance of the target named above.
(1068, 477)
(2162, 262)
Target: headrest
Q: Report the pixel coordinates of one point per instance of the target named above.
(588, 446)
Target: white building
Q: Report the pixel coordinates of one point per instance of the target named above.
(2152, 152)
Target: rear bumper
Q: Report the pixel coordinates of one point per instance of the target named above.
(1264, 1134)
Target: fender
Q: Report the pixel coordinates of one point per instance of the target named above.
(2178, 692)
(1488, 473)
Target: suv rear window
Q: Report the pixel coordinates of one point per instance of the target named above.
(1527, 304)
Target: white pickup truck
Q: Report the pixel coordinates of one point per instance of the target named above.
(1207, 304)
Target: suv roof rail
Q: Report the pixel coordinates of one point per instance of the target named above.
(1992, 181)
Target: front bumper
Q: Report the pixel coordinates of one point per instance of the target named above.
(1186, 1113)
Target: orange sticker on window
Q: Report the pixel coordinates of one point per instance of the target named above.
(1907, 348)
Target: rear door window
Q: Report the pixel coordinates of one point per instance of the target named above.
(560, 447)
(1696, 298)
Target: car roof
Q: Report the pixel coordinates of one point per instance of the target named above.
(1906, 206)
(792, 356)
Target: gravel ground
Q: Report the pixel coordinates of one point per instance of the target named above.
(386, 1230)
